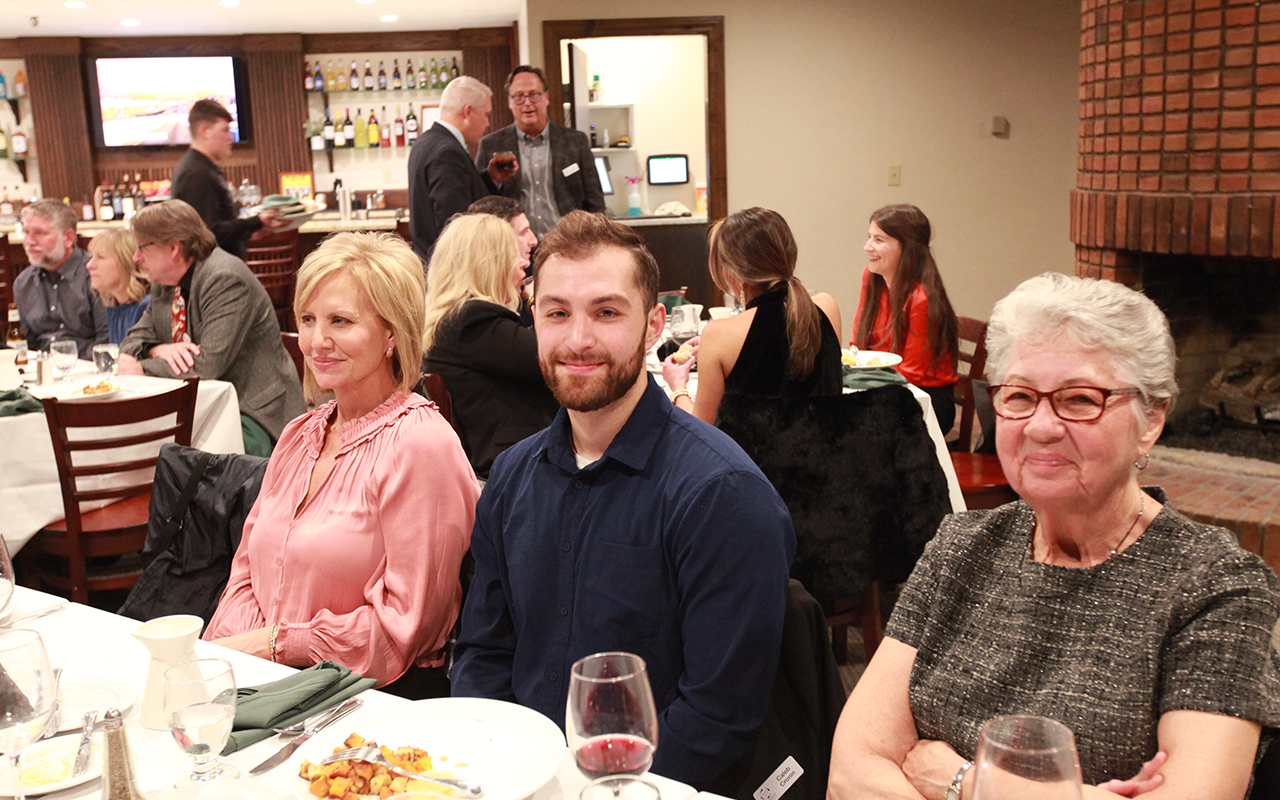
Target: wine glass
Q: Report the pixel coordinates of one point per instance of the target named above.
(684, 324)
(1026, 757)
(612, 725)
(63, 353)
(28, 691)
(200, 705)
(6, 584)
(105, 358)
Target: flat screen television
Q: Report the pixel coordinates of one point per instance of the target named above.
(144, 102)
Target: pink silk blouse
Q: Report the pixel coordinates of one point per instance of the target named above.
(366, 573)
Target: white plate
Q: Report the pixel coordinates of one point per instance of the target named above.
(221, 789)
(511, 750)
(881, 358)
(46, 765)
(78, 696)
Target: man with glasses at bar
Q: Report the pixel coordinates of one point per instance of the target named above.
(557, 171)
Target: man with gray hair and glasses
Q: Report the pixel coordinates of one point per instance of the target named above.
(53, 296)
(443, 181)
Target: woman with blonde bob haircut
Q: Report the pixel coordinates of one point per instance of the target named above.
(475, 341)
(352, 551)
(119, 280)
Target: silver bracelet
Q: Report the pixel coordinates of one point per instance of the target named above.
(953, 790)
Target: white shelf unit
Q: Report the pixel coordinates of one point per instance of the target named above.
(619, 120)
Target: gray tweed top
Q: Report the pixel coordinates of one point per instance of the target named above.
(1181, 620)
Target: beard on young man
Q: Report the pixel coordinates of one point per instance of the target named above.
(590, 392)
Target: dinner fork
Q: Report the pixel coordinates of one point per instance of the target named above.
(374, 755)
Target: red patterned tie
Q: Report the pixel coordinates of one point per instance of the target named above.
(178, 313)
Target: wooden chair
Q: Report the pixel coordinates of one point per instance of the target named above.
(432, 387)
(403, 231)
(273, 257)
(291, 346)
(982, 480)
(122, 461)
(6, 278)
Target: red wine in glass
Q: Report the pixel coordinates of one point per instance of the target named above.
(614, 754)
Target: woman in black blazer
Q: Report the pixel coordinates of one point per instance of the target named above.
(475, 341)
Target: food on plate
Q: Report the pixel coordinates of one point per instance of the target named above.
(349, 780)
(851, 359)
(46, 768)
(683, 354)
(99, 388)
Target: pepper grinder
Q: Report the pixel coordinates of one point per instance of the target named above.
(119, 780)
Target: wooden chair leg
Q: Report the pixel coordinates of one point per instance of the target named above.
(872, 626)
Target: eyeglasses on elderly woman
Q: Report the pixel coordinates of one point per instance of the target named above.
(1071, 403)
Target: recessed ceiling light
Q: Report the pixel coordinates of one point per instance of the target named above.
(229, 3)
(130, 23)
(388, 17)
(76, 4)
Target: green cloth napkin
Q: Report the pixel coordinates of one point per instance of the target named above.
(290, 700)
(859, 379)
(18, 401)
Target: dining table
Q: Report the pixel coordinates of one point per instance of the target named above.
(91, 644)
(30, 493)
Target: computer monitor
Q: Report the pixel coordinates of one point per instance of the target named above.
(602, 169)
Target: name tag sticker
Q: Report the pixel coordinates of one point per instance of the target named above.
(570, 170)
(780, 781)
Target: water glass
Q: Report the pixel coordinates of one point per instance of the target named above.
(1023, 757)
(29, 690)
(63, 353)
(6, 584)
(105, 358)
(200, 705)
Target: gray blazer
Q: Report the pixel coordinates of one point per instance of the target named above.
(231, 317)
(581, 190)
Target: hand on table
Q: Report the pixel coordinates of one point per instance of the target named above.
(256, 642)
(500, 175)
(677, 375)
(128, 365)
(180, 356)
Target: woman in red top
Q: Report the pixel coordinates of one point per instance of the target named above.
(904, 308)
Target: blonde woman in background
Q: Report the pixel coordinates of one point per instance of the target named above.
(119, 280)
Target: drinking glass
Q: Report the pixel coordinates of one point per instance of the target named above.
(611, 723)
(63, 353)
(105, 358)
(1023, 757)
(6, 584)
(28, 691)
(200, 705)
(684, 324)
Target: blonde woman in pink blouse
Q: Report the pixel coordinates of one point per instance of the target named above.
(352, 551)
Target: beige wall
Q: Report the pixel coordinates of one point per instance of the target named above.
(823, 95)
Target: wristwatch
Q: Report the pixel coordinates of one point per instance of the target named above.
(953, 790)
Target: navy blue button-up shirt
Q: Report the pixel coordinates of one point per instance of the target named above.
(673, 546)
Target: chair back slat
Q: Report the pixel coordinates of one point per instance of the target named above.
(273, 257)
(86, 445)
(89, 470)
(972, 366)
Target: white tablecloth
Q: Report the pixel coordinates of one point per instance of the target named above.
(89, 643)
(30, 494)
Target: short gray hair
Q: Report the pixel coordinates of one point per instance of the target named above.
(1093, 314)
(54, 212)
(462, 91)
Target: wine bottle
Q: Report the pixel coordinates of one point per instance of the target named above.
(410, 126)
(444, 74)
(117, 203)
(362, 131)
(382, 76)
(20, 84)
(319, 77)
(368, 76)
(329, 133)
(396, 81)
(105, 212)
(14, 336)
(373, 129)
(397, 129)
(349, 129)
(356, 83)
(410, 79)
(423, 81)
(308, 78)
(343, 81)
(339, 134)
(454, 71)
(330, 77)
(435, 75)
(139, 196)
(386, 130)
(18, 143)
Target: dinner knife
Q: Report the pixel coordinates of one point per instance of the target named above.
(283, 754)
(86, 744)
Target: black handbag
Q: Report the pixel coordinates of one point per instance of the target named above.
(199, 502)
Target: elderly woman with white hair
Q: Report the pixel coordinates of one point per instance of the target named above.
(1090, 601)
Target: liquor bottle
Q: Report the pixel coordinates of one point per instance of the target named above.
(18, 143)
(339, 134)
(396, 81)
(106, 212)
(382, 76)
(362, 131)
(319, 78)
(330, 77)
(397, 130)
(410, 126)
(410, 79)
(350, 81)
(368, 76)
(139, 196)
(349, 129)
(342, 81)
(20, 84)
(454, 71)
(308, 78)
(329, 133)
(444, 74)
(126, 198)
(14, 336)
(386, 130)
(373, 129)
(435, 76)
(423, 81)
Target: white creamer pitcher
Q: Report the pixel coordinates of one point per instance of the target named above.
(170, 640)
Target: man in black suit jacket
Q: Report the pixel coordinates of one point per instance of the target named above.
(558, 171)
(442, 179)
